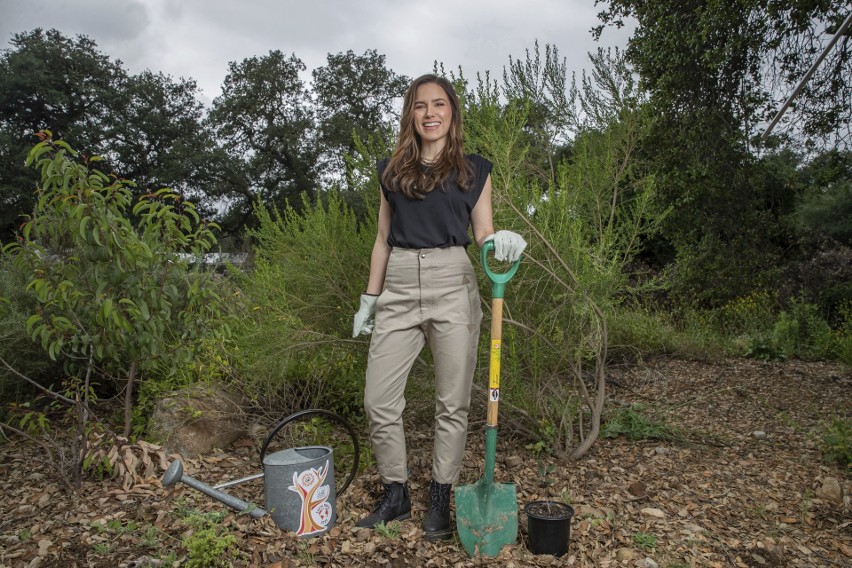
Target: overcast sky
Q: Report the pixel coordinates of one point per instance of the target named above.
(198, 38)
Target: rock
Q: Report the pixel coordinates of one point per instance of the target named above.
(830, 491)
(625, 555)
(636, 489)
(661, 451)
(759, 434)
(647, 563)
(651, 512)
(194, 420)
(513, 461)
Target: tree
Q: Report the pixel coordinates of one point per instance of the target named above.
(263, 120)
(114, 302)
(152, 122)
(542, 88)
(354, 97)
(159, 139)
(749, 54)
(49, 81)
(703, 67)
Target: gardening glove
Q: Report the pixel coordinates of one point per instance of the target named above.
(366, 316)
(508, 246)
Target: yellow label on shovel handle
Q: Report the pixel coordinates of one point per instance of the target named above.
(494, 366)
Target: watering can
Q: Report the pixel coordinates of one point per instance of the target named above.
(298, 483)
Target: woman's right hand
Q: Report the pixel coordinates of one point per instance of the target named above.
(366, 316)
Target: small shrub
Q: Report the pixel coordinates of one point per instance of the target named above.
(837, 442)
(208, 548)
(749, 314)
(841, 338)
(389, 530)
(630, 421)
(645, 541)
(210, 545)
(762, 347)
(292, 316)
(801, 331)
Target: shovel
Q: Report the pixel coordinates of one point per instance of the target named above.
(487, 512)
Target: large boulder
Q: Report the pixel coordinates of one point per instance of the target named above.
(196, 419)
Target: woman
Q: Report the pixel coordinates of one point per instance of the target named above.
(422, 288)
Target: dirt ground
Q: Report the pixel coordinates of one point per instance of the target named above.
(745, 489)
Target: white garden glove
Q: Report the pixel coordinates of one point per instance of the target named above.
(366, 316)
(508, 246)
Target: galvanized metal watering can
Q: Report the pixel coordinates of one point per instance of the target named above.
(298, 483)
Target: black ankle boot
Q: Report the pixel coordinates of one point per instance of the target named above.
(394, 505)
(436, 525)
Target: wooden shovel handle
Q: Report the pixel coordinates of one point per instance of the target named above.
(494, 360)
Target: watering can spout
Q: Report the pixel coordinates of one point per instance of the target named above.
(175, 473)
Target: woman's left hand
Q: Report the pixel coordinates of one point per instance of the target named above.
(508, 246)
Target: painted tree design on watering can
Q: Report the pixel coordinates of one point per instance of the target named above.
(316, 510)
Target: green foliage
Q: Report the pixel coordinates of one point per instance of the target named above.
(645, 541)
(114, 301)
(293, 316)
(149, 125)
(702, 65)
(355, 97)
(264, 116)
(842, 335)
(16, 348)
(837, 441)
(637, 332)
(634, 423)
(754, 327)
(210, 544)
(801, 331)
(389, 530)
(584, 223)
(541, 450)
(828, 211)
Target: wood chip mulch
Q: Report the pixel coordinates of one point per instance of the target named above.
(742, 489)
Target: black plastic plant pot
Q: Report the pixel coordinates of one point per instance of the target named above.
(548, 527)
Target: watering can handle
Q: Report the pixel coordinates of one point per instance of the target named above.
(498, 279)
(334, 418)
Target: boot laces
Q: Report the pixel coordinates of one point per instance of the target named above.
(439, 497)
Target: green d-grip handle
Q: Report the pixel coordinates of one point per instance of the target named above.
(498, 279)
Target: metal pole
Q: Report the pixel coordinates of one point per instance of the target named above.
(808, 75)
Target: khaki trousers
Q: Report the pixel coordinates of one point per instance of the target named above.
(430, 295)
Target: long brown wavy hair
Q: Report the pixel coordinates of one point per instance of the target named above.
(405, 172)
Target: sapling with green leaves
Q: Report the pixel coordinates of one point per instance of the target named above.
(116, 299)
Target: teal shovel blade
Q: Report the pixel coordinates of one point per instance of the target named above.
(487, 512)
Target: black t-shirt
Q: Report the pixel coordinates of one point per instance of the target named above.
(441, 218)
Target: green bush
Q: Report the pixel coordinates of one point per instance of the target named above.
(640, 332)
(110, 295)
(841, 344)
(837, 442)
(16, 348)
(634, 423)
(292, 319)
(209, 544)
(828, 210)
(584, 217)
(801, 331)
